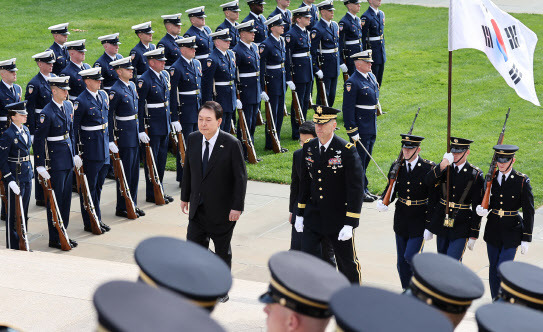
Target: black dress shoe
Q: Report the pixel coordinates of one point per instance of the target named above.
(123, 214)
(110, 175)
(40, 202)
(73, 243)
(140, 212)
(55, 245)
(224, 298)
(87, 229)
(375, 197)
(180, 185)
(368, 199)
(152, 200)
(3, 217)
(105, 227)
(283, 150)
(168, 198)
(74, 188)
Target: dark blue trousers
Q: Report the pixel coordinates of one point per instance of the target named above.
(159, 145)
(61, 181)
(496, 256)
(226, 121)
(131, 165)
(277, 104)
(452, 248)
(406, 248)
(12, 238)
(187, 128)
(330, 84)
(304, 92)
(96, 172)
(378, 70)
(368, 141)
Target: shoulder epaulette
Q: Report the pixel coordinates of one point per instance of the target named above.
(520, 174)
(429, 162)
(349, 145)
(307, 140)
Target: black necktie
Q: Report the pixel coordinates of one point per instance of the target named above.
(409, 168)
(206, 158)
(98, 98)
(323, 150)
(13, 92)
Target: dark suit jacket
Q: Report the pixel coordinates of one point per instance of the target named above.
(222, 188)
(297, 163)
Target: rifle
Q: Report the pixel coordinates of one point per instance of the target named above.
(151, 165)
(322, 87)
(245, 134)
(492, 171)
(232, 128)
(259, 120)
(3, 193)
(344, 58)
(393, 175)
(177, 139)
(20, 221)
(295, 100)
(270, 126)
(285, 112)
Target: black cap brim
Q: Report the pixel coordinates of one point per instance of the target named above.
(266, 298)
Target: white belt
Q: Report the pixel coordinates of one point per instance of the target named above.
(38, 110)
(158, 105)
(225, 83)
(367, 107)
(3, 118)
(205, 56)
(126, 118)
(301, 55)
(93, 128)
(254, 74)
(375, 38)
(186, 93)
(72, 97)
(352, 42)
(276, 66)
(107, 88)
(330, 50)
(58, 138)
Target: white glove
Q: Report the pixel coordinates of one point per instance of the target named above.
(78, 162)
(113, 148)
(143, 137)
(291, 85)
(343, 68)
(264, 96)
(177, 126)
(346, 233)
(31, 139)
(524, 247)
(449, 156)
(481, 211)
(319, 74)
(356, 137)
(471, 243)
(239, 105)
(14, 187)
(299, 224)
(428, 235)
(43, 172)
(381, 207)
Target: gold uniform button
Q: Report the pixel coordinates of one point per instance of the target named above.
(320, 188)
(408, 190)
(321, 196)
(408, 182)
(320, 179)
(319, 171)
(501, 195)
(408, 197)
(501, 202)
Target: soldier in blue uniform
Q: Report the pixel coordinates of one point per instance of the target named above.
(465, 188)
(231, 12)
(54, 152)
(350, 34)
(325, 51)
(219, 78)
(60, 34)
(201, 31)
(505, 228)
(272, 72)
(172, 23)
(286, 15)
(298, 63)
(373, 25)
(111, 53)
(154, 107)
(77, 51)
(123, 120)
(257, 8)
(145, 35)
(16, 167)
(360, 104)
(9, 91)
(313, 10)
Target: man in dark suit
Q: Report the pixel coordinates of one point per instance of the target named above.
(214, 182)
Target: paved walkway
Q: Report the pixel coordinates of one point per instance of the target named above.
(510, 6)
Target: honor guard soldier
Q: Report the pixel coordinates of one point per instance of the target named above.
(17, 171)
(373, 25)
(92, 139)
(451, 290)
(505, 228)
(298, 63)
(219, 76)
(54, 153)
(185, 268)
(257, 8)
(299, 293)
(350, 35)
(325, 51)
(77, 51)
(414, 205)
(111, 53)
(360, 104)
(330, 197)
(231, 13)
(9, 91)
(460, 228)
(132, 306)
(154, 104)
(286, 14)
(172, 23)
(504, 317)
(521, 283)
(60, 34)
(201, 31)
(145, 35)
(272, 73)
(313, 10)
(124, 125)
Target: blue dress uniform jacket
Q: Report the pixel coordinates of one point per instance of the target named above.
(299, 69)
(510, 229)
(139, 61)
(314, 14)
(123, 102)
(286, 17)
(13, 146)
(38, 94)
(273, 53)
(62, 58)
(248, 62)
(185, 95)
(260, 26)
(108, 73)
(219, 68)
(362, 91)
(89, 113)
(373, 26)
(233, 32)
(6, 98)
(154, 90)
(326, 37)
(171, 50)
(77, 85)
(203, 41)
(350, 37)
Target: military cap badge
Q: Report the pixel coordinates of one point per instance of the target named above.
(319, 110)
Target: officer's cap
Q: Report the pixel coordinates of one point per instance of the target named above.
(60, 82)
(157, 54)
(411, 141)
(326, 5)
(185, 268)
(364, 56)
(248, 26)
(94, 73)
(61, 29)
(196, 12)
(232, 6)
(504, 153)
(521, 283)
(274, 21)
(324, 114)
(189, 42)
(110, 39)
(302, 283)
(301, 12)
(47, 57)
(346, 2)
(122, 63)
(131, 306)
(223, 34)
(258, 2)
(504, 317)
(143, 27)
(9, 65)
(459, 145)
(444, 283)
(18, 107)
(78, 45)
(174, 19)
(358, 308)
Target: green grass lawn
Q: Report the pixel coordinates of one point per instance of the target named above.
(415, 76)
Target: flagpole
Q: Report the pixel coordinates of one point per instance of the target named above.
(449, 134)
